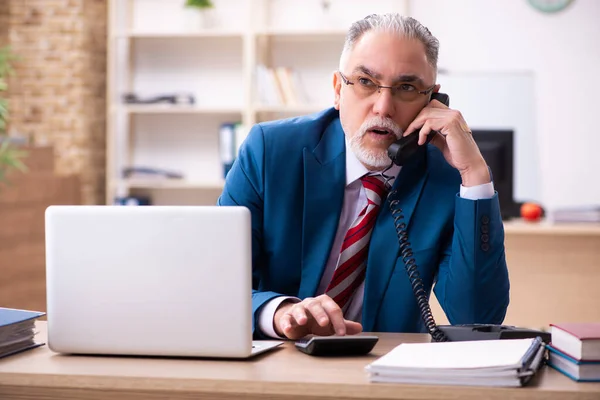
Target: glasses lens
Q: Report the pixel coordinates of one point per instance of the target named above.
(364, 87)
(405, 95)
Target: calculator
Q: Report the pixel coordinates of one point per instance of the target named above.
(331, 346)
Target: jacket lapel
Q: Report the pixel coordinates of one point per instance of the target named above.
(384, 248)
(324, 184)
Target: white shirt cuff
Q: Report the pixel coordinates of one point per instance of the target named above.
(265, 319)
(485, 191)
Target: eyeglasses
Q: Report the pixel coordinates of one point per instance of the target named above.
(365, 87)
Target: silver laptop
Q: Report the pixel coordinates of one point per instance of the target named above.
(150, 280)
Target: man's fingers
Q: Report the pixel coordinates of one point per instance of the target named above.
(416, 124)
(423, 133)
(431, 116)
(336, 316)
(439, 141)
(299, 314)
(437, 104)
(318, 313)
(285, 323)
(290, 328)
(352, 328)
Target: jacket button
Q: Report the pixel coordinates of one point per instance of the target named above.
(485, 228)
(485, 238)
(485, 219)
(485, 246)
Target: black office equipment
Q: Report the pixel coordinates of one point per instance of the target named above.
(350, 345)
(496, 146)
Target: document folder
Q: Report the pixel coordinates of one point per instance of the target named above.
(17, 330)
(507, 362)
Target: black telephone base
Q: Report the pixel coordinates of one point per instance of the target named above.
(457, 333)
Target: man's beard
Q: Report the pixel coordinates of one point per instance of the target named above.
(376, 158)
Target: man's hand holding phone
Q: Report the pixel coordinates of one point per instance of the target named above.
(454, 138)
(314, 315)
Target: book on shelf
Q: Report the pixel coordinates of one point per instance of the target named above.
(507, 362)
(574, 350)
(227, 146)
(231, 137)
(279, 86)
(150, 173)
(17, 330)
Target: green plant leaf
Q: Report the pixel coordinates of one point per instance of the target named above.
(199, 3)
(11, 158)
(6, 58)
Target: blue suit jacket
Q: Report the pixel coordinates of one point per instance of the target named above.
(291, 175)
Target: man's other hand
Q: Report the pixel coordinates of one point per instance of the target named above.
(314, 315)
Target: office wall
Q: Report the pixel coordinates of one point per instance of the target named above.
(562, 52)
(57, 95)
(3, 23)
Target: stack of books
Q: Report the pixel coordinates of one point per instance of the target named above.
(575, 350)
(17, 330)
(507, 362)
(581, 214)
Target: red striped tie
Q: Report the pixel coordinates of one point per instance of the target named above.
(352, 264)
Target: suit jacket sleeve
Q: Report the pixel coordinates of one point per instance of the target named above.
(472, 283)
(244, 186)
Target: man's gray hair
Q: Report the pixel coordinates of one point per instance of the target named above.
(404, 26)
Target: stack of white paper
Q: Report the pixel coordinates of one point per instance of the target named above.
(508, 362)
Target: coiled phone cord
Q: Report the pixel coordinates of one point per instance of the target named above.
(413, 272)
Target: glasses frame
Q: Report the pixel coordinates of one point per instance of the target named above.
(379, 87)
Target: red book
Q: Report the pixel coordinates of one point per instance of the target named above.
(580, 340)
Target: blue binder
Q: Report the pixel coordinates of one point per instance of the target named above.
(17, 330)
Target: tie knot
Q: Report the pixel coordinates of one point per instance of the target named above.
(374, 187)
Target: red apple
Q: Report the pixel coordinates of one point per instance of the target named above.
(531, 211)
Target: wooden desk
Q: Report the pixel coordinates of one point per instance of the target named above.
(284, 373)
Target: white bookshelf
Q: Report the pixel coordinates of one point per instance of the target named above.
(157, 48)
(213, 33)
(179, 109)
(301, 34)
(172, 184)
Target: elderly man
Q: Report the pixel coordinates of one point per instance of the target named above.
(326, 255)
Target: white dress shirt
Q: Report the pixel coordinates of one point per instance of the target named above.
(355, 200)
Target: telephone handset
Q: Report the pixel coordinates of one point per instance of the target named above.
(399, 152)
(402, 149)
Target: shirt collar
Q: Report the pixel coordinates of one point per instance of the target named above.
(355, 170)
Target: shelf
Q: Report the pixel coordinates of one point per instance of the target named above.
(154, 184)
(520, 227)
(222, 33)
(303, 33)
(297, 109)
(209, 33)
(178, 109)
